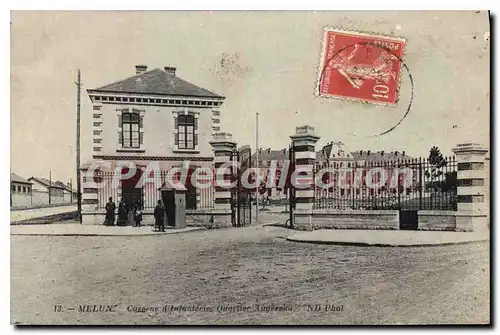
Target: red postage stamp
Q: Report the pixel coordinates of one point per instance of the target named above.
(360, 66)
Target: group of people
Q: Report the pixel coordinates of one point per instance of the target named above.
(126, 214)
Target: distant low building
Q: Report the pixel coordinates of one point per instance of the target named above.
(34, 192)
(69, 194)
(46, 192)
(20, 191)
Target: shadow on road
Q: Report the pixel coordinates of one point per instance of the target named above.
(59, 218)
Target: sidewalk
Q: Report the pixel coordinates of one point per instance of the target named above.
(388, 238)
(28, 214)
(76, 229)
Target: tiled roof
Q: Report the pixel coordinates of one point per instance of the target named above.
(321, 155)
(159, 82)
(269, 155)
(334, 151)
(380, 156)
(66, 187)
(46, 182)
(17, 179)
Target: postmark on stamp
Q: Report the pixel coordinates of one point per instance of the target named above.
(360, 66)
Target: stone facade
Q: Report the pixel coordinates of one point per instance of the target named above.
(223, 147)
(157, 130)
(437, 220)
(304, 146)
(347, 219)
(172, 121)
(473, 187)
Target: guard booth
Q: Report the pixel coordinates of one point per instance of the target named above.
(173, 197)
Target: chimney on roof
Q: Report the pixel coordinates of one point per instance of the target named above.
(269, 150)
(404, 153)
(361, 152)
(140, 69)
(169, 69)
(396, 153)
(369, 152)
(382, 153)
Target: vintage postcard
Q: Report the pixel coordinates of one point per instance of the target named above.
(250, 168)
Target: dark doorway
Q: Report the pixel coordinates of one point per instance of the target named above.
(130, 192)
(168, 198)
(408, 220)
(190, 196)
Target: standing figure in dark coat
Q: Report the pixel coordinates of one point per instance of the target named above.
(122, 214)
(137, 214)
(110, 213)
(159, 217)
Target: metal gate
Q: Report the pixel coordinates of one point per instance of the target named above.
(408, 220)
(241, 197)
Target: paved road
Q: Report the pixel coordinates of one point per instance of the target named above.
(238, 269)
(27, 214)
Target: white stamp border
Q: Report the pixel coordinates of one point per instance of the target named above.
(364, 34)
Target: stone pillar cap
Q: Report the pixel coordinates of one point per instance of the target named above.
(223, 136)
(306, 129)
(305, 133)
(469, 147)
(222, 141)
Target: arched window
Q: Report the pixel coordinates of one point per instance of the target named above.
(130, 130)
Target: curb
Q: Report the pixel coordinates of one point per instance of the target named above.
(366, 244)
(107, 234)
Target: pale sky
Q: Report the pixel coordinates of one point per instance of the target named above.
(276, 59)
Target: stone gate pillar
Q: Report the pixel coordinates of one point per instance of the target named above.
(223, 146)
(473, 187)
(304, 141)
(90, 199)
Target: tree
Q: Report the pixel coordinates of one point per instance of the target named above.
(450, 182)
(436, 162)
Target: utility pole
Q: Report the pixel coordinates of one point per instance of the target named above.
(78, 179)
(71, 190)
(50, 187)
(257, 167)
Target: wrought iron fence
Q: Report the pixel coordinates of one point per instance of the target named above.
(107, 189)
(408, 184)
(206, 198)
(149, 194)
